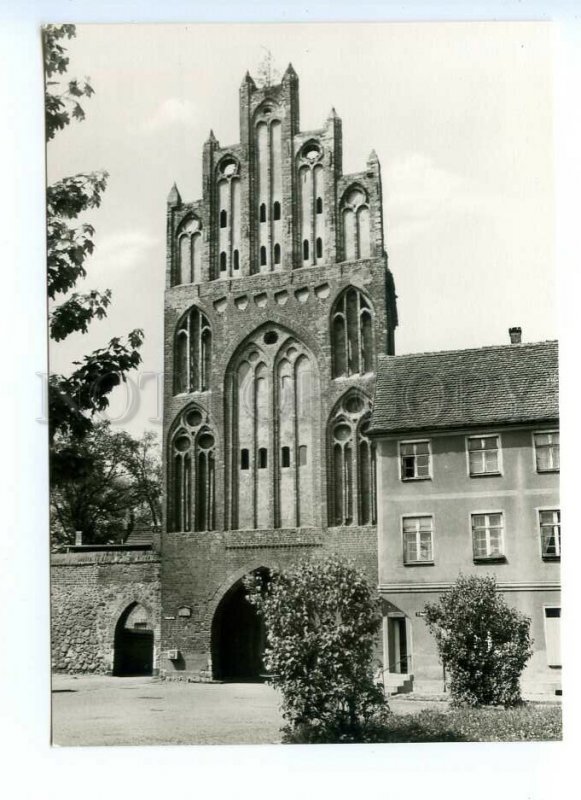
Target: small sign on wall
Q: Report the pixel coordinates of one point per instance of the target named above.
(184, 611)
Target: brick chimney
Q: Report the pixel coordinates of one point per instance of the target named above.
(515, 335)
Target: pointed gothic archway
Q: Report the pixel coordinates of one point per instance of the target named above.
(238, 638)
(133, 643)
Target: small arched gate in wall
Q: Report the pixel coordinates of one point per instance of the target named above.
(133, 642)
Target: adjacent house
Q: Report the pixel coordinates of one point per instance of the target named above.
(468, 482)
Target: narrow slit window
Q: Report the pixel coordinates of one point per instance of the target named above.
(277, 254)
(305, 250)
(222, 261)
(285, 457)
(263, 212)
(223, 218)
(276, 210)
(319, 205)
(236, 259)
(262, 256)
(319, 248)
(262, 458)
(302, 455)
(244, 459)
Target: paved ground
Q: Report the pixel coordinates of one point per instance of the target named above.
(91, 710)
(98, 710)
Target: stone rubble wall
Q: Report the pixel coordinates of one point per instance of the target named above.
(89, 592)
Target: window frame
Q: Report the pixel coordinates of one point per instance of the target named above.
(497, 473)
(427, 477)
(535, 461)
(489, 558)
(418, 515)
(544, 509)
(548, 607)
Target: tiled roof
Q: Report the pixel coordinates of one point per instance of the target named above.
(458, 388)
(140, 536)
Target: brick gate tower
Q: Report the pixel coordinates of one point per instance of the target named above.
(278, 300)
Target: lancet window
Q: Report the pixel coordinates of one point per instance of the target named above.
(193, 353)
(356, 224)
(189, 251)
(352, 334)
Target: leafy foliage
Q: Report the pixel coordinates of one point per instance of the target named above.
(61, 106)
(103, 484)
(69, 246)
(321, 621)
(75, 313)
(74, 399)
(483, 643)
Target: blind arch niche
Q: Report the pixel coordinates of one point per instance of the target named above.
(192, 472)
(192, 352)
(273, 385)
(352, 487)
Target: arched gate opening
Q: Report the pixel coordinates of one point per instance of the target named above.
(133, 648)
(238, 638)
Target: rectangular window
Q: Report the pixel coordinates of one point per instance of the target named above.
(285, 457)
(484, 455)
(487, 536)
(547, 451)
(550, 525)
(553, 636)
(262, 458)
(415, 460)
(417, 540)
(244, 459)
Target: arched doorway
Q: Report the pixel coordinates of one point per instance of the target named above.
(238, 638)
(133, 654)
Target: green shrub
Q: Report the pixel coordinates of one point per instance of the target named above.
(321, 620)
(483, 643)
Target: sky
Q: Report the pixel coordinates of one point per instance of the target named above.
(460, 115)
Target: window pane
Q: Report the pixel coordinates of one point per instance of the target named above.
(476, 463)
(495, 543)
(411, 548)
(478, 521)
(425, 523)
(407, 449)
(495, 519)
(480, 544)
(426, 546)
(423, 463)
(408, 464)
(541, 439)
(491, 460)
(475, 444)
(409, 524)
(422, 447)
(543, 458)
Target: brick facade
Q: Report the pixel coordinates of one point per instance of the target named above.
(279, 277)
